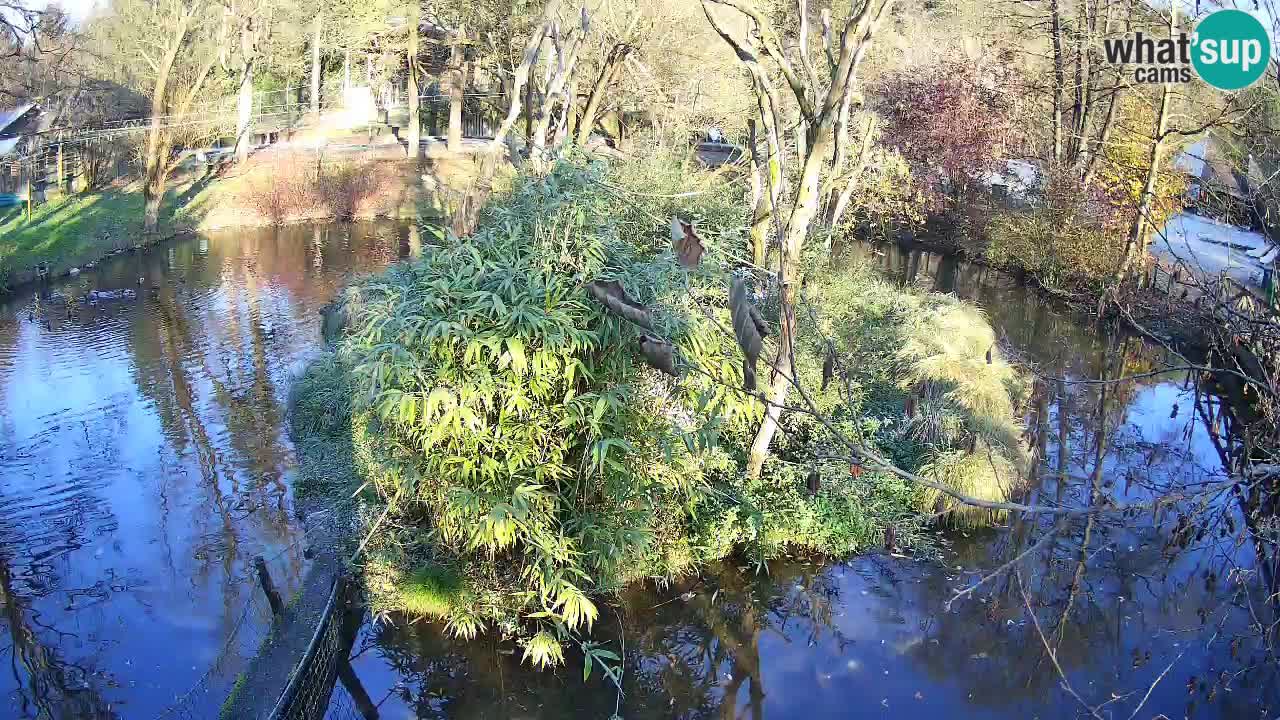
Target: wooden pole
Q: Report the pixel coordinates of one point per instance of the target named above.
(268, 587)
(352, 617)
(361, 697)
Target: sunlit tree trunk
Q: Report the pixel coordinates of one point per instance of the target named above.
(1059, 76)
(156, 156)
(457, 79)
(244, 131)
(771, 185)
(559, 78)
(520, 84)
(1135, 247)
(315, 64)
(156, 160)
(608, 76)
(819, 109)
(414, 135)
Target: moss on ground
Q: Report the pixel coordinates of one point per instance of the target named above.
(320, 425)
(433, 591)
(228, 705)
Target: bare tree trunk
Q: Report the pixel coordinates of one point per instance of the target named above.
(457, 81)
(315, 65)
(1079, 95)
(153, 188)
(560, 133)
(1136, 246)
(609, 72)
(245, 115)
(529, 94)
(864, 152)
(521, 82)
(155, 157)
(818, 110)
(248, 64)
(1059, 77)
(1092, 153)
(840, 154)
(797, 230)
(561, 74)
(156, 160)
(414, 134)
(1104, 136)
(759, 199)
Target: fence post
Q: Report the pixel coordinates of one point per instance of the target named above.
(62, 171)
(368, 709)
(268, 587)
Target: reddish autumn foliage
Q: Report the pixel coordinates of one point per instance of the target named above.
(948, 126)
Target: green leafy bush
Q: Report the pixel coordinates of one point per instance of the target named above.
(508, 411)
(923, 380)
(516, 435)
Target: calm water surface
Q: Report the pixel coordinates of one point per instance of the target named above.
(144, 462)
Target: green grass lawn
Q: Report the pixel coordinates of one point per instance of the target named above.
(71, 231)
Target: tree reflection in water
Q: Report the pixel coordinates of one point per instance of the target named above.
(144, 461)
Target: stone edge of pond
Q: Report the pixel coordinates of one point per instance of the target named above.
(259, 687)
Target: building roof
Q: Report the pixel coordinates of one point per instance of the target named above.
(12, 116)
(1205, 161)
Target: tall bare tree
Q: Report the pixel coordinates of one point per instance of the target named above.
(454, 85)
(414, 136)
(244, 22)
(818, 98)
(317, 39)
(177, 44)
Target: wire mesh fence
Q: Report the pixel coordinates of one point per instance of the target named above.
(252, 630)
(343, 706)
(323, 685)
(306, 697)
(204, 700)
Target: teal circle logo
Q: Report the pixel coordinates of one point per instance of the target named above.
(1231, 49)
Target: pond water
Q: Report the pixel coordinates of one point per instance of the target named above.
(144, 462)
